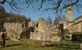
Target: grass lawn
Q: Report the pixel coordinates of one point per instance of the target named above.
(13, 45)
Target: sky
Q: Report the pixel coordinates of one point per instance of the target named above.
(35, 15)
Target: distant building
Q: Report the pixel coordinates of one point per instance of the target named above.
(77, 25)
(70, 25)
(73, 25)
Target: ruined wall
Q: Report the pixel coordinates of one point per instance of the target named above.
(13, 30)
(42, 32)
(46, 36)
(42, 26)
(31, 24)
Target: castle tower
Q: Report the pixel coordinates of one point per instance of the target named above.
(69, 14)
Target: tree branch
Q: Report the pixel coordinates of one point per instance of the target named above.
(2, 2)
(57, 4)
(32, 5)
(41, 4)
(11, 6)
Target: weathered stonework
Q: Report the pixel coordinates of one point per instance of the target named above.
(42, 32)
(13, 30)
(31, 24)
(77, 25)
(42, 26)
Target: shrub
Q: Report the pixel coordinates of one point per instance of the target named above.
(77, 37)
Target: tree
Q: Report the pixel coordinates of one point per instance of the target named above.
(58, 19)
(18, 18)
(49, 21)
(2, 14)
(29, 19)
(56, 5)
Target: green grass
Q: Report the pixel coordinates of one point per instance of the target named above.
(13, 45)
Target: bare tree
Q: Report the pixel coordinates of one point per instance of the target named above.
(58, 19)
(49, 21)
(56, 5)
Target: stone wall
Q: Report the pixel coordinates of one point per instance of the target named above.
(42, 26)
(35, 35)
(46, 36)
(42, 32)
(31, 24)
(13, 30)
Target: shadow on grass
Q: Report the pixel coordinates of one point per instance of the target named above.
(13, 45)
(69, 46)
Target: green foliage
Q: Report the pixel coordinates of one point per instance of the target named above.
(17, 18)
(4, 16)
(77, 37)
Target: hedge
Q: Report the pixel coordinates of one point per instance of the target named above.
(77, 37)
